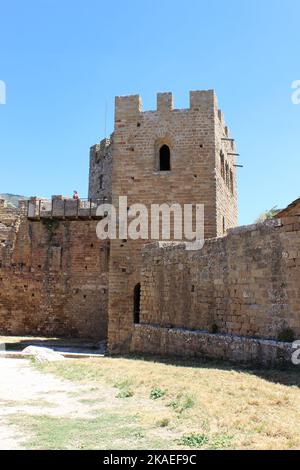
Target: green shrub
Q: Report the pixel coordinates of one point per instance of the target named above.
(194, 440)
(157, 393)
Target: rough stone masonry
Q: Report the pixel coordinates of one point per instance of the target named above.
(53, 277)
(241, 289)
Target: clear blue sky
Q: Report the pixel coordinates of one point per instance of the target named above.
(63, 60)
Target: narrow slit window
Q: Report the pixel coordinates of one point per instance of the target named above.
(222, 165)
(227, 174)
(231, 181)
(137, 303)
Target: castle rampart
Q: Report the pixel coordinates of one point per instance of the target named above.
(234, 299)
(53, 277)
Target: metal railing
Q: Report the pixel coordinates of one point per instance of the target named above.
(64, 208)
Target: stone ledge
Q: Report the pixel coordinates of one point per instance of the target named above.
(186, 343)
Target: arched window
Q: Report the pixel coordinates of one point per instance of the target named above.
(164, 158)
(136, 303)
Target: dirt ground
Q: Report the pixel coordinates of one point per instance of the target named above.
(31, 400)
(24, 390)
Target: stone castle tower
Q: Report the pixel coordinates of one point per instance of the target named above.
(58, 279)
(169, 155)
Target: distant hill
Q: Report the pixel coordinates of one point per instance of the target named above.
(13, 199)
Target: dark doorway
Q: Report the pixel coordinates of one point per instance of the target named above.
(136, 303)
(164, 158)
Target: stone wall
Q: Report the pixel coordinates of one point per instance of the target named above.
(246, 283)
(100, 184)
(54, 280)
(148, 339)
(193, 136)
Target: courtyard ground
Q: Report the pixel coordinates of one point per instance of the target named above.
(135, 403)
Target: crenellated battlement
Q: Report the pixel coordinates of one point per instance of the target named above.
(130, 107)
(165, 102)
(62, 207)
(203, 100)
(127, 107)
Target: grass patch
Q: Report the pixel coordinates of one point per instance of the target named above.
(232, 406)
(182, 403)
(125, 393)
(198, 440)
(29, 403)
(221, 441)
(89, 401)
(105, 432)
